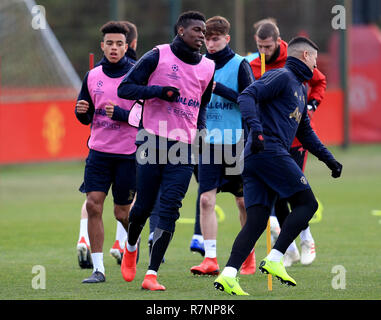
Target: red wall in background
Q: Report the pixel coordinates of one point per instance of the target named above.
(364, 81)
(328, 119)
(49, 131)
(41, 131)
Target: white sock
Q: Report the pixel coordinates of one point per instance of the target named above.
(97, 258)
(275, 255)
(121, 234)
(210, 248)
(292, 247)
(131, 248)
(83, 231)
(274, 222)
(151, 272)
(198, 237)
(306, 235)
(229, 272)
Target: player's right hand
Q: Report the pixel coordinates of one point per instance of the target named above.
(82, 106)
(170, 93)
(258, 142)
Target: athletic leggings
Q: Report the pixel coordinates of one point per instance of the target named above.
(303, 205)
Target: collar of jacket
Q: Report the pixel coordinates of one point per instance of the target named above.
(221, 57)
(185, 53)
(299, 68)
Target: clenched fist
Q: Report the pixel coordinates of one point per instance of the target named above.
(82, 106)
(110, 109)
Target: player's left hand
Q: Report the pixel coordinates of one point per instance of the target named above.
(312, 105)
(110, 108)
(258, 142)
(336, 168)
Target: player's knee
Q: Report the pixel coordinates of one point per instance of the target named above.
(310, 200)
(167, 224)
(93, 207)
(314, 205)
(138, 215)
(257, 217)
(207, 202)
(121, 213)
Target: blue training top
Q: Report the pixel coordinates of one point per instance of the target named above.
(223, 117)
(275, 105)
(250, 57)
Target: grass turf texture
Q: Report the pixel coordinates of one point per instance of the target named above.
(40, 211)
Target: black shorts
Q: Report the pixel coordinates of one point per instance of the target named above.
(214, 176)
(104, 170)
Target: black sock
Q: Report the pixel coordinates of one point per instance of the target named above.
(161, 239)
(303, 205)
(256, 223)
(134, 231)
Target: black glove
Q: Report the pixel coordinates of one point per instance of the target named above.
(169, 93)
(336, 168)
(312, 105)
(258, 143)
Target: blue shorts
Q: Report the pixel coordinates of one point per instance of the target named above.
(265, 179)
(213, 176)
(104, 170)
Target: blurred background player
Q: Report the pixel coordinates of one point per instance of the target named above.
(192, 78)
(269, 42)
(253, 55)
(83, 248)
(111, 159)
(233, 74)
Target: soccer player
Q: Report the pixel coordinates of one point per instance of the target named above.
(224, 124)
(111, 159)
(269, 42)
(175, 81)
(83, 248)
(275, 110)
(121, 235)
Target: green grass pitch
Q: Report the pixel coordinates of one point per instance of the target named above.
(39, 225)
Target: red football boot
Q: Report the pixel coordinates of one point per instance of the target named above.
(128, 266)
(150, 283)
(249, 266)
(208, 267)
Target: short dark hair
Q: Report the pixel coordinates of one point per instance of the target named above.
(217, 25)
(114, 27)
(132, 31)
(300, 40)
(184, 19)
(268, 29)
(257, 24)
